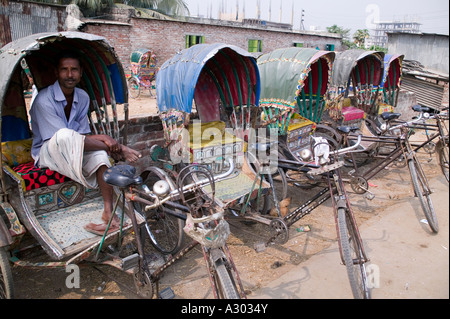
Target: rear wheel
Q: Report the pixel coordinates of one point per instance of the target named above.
(6, 281)
(164, 230)
(152, 89)
(423, 192)
(134, 87)
(443, 153)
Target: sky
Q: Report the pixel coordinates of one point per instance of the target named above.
(348, 14)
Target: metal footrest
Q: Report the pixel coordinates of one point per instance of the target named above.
(326, 168)
(130, 262)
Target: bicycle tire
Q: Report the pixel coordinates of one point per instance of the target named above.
(224, 281)
(6, 280)
(443, 154)
(422, 191)
(164, 231)
(134, 88)
(352, 256)
(152, 89)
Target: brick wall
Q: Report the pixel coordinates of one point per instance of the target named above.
(143, 133)
(166, 37)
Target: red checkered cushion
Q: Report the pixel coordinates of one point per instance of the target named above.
(38, 177)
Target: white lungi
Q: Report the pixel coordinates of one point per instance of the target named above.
(64, 153)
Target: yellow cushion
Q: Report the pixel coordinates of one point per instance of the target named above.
(17, 152)
(214, 130)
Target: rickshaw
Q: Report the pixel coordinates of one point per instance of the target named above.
(222, 83)
(383, 136)
(354, 92)
(42, 205)
(295, 84)
(392, 79)
(143, 72)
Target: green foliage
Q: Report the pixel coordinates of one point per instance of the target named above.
(343, 32)
(377, 48)
(97, 7)
(360, 37)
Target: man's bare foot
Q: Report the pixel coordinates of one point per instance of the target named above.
(130, 155)
(106, 217)
(99, 229)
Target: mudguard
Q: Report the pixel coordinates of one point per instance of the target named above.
(5, 236)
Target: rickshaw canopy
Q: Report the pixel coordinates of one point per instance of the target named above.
(103, 76)
(285, 72)
(143, 62)
(211, 74)
(392, 74)
(365, 66)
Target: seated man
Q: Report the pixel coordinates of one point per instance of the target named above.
(60, 136)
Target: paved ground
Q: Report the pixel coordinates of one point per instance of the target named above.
(412, 261)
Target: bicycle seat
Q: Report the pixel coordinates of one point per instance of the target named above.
(122, 176)
(347, 129)
(421, 109)
(388, 116)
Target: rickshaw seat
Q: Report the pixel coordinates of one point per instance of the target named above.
(17, 156)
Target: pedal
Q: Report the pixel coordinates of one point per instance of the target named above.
(369, 195)
(260, 247)
(130, 262)
(167, 294)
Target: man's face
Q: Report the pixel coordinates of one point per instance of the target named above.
(69, 73)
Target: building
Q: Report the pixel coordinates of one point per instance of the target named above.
(379, 36)
(128, 28)
(425, 66)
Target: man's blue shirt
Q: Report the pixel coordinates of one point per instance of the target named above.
(48, 117)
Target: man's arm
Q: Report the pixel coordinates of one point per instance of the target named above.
(101, 142)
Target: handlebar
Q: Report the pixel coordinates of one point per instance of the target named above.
(421, 116)
(348, 149)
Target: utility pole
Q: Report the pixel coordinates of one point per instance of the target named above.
(302, 26)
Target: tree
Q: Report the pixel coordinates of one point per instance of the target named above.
(343, 32)
(360, 37)
(95, 7)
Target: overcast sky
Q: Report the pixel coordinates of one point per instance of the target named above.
(349, 14)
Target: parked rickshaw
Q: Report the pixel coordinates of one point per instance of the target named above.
(143, 72)
(295, 83)
(222, 81)
(43, 205)
(354, 91)
(392, 79)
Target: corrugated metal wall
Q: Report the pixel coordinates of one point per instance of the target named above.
(427, 93)
(20, 19)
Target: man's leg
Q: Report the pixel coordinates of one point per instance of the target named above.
(107, 194)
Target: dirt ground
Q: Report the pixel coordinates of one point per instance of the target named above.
(188, 277)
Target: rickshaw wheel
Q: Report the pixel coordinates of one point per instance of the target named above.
(152, 89)
(6, 280)
(134, 87)
(164, 231)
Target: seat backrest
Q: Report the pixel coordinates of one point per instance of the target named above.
(17, 152)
